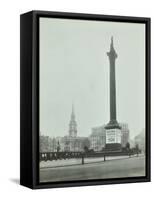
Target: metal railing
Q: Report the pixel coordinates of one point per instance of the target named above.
(49, 156)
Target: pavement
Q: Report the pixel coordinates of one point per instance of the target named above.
(122, 167)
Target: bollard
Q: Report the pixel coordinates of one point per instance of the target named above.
(82, 160)
(104, 158)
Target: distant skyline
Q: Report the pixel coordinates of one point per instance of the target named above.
(74, 68)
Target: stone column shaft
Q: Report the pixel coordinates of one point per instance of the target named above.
(112, 89)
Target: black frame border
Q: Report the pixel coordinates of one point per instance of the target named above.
(34, 78)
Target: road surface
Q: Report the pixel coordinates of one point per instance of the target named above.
(127, 167)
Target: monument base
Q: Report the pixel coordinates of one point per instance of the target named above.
(113, 147)
(113, 139)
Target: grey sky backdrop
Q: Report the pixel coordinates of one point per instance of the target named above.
(74, 68)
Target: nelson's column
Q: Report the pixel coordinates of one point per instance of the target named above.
(113, 130)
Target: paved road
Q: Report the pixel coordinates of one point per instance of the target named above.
(127, 167)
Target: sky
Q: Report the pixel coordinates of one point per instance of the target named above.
(74, 68)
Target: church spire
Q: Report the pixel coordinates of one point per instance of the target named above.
(73, 124)
(73, 114)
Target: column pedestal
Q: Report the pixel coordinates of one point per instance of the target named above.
(113, 139)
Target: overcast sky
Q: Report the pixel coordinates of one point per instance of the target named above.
(74, 67)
